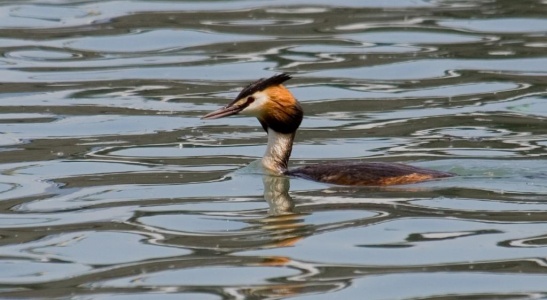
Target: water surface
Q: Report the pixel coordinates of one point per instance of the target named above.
(111, 187)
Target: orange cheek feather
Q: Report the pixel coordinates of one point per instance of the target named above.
(281, 102)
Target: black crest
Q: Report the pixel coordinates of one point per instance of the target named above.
(262, 84)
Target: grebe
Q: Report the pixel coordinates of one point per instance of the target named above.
(280, 114)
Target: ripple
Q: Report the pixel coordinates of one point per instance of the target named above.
(30, 220)
(176, 151)
(326, 149)
(117, 194)
(341, 216)
(536, 45)
(18, 271)
(5, 187)
(433, 68)
(59, 60)
(513, 178)
(246, 22)
(248, 68)
(154, 40)
(69, 168)
(469, 133)
(363, 48)
(219, 275)
(388, 24)
(469, 285)
(481, 247)
(86, 126)
(8, 140)
(196, 223)
(533, 106)
(297, 10)
(156, 294)
(321, 93)
(81, 247)
(538, 241)
(21, 186)
(501, 53)
(499, 25)
(475, 205)
(38, 16)
(412, 38)
(43, 55)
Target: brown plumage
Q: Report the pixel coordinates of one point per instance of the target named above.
(280, 114)
(366, 173)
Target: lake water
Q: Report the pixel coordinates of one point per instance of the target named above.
(111, 187)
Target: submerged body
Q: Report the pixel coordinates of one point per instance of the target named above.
(280, 115)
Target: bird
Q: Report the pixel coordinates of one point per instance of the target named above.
(280, 115)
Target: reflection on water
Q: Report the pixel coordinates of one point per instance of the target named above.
(276, 193)
(112, 187)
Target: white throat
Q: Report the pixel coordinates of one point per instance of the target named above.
(279, 149)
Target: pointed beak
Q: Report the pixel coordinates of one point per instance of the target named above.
(222, 112)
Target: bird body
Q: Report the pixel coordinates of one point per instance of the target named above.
(366, 173)
(280, 114)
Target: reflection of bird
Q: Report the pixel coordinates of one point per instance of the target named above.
(280, 115)
(276, 193)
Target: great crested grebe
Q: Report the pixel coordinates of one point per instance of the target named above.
(280, 114)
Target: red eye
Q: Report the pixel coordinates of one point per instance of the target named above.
(250, 100)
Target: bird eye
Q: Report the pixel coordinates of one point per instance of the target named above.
(250, 100)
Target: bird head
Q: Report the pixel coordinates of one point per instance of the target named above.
(267, 100)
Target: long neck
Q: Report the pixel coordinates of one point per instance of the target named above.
(279, 149)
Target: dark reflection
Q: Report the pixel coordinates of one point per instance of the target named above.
(283, 226)
(276, 193)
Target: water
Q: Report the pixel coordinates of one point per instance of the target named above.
(111, 187)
